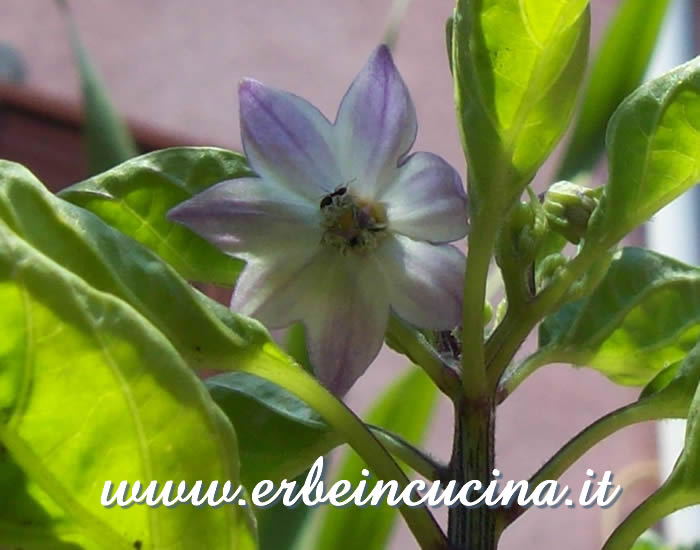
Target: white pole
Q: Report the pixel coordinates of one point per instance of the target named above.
(675, 231)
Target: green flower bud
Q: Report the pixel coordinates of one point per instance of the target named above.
(547, 269)
(488, 313)
(568, 208)
(520, 236)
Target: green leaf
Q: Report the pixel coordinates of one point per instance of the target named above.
(653, 143)
(619, 67)
(107, 138)
(643, 316)
(90, 391)
(135, 197)
(279, 436)
(680, 490)
(517, 67)
(205, 333)
(405, 408)
(128, 266)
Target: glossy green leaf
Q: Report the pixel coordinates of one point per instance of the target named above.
(405, 408)
(205, 333)
(90, 391)
(107, 139)
(643, 316)
(135, 197)
(618, 68)
(517, 65)
(680, 490)
(279, 435)
(653, 143)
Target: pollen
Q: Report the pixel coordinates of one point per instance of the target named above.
(350, 223)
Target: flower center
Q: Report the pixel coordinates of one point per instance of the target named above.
(350, 223)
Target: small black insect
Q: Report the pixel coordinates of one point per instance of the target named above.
(327, 200)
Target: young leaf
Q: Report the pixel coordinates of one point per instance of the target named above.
(629, 40)
(90, 392)
(644, 315)
(517, 68)
(405, 408)
(114, 263)
(107, 138)
(653, 143)
(135, 196)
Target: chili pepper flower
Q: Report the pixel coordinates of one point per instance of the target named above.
(341, 226)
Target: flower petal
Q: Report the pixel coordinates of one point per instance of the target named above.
(345, 329)
(425, 281)
(342, 301)
(274, 288)
(376, 124)
(426, 201)
(251, 217)
(287, 139)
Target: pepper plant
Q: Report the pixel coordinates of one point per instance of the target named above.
(335, 230)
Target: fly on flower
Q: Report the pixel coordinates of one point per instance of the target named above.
(341, 226)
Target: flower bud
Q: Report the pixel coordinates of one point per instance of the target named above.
(520, 236)
(568, 208)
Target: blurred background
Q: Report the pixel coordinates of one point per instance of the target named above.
(172, 67)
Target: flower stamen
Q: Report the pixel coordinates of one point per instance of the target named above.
(350, 223)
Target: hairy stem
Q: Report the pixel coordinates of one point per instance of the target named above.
(474, 528)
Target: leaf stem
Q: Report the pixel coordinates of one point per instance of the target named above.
(417, 459)
(507, 338)
(281, 370)
(514, 376)
(415, 346)
(639, 411)
(666, 500)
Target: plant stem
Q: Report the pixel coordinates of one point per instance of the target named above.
(473, 459)
(482, 238)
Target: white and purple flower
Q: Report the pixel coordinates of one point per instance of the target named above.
(341, 226)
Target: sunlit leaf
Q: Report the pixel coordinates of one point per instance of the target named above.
(135, 197)
(517, 68)
(90, 391)
(643, 316)
(653, 144)
(205, 333)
